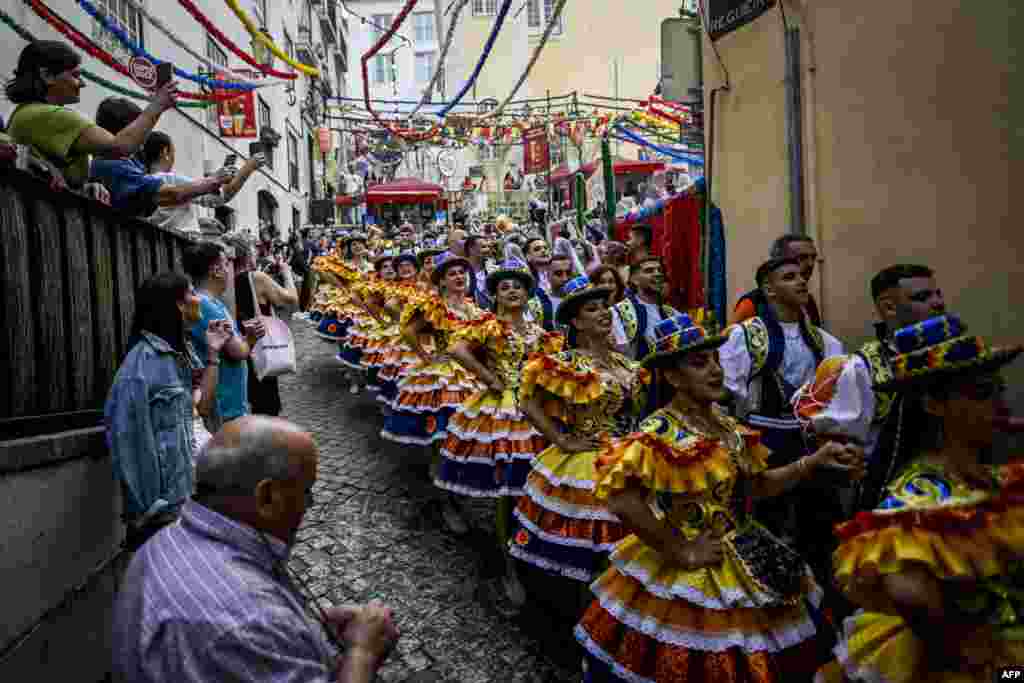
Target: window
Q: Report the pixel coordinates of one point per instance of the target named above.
(485, 7)
(424, 67)
(315, 188)
(423, 27)
(383, 71)
(220, 58)
(293, 161)
(539, 13)
(263, 111)
(126, 17)
(262, 14)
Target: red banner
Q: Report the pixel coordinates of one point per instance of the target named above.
(536, 151)
(237, 115)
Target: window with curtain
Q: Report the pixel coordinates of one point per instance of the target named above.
(485, 7)
(126, 17)
(424, 67)
(423, 27)
(382, 69)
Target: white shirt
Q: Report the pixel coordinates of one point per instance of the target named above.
(620, 338)
(797, 368)
(183, 216)
(850, 411)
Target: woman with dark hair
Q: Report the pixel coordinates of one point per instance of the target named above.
(490, 442)
(608, 276)
(699, 590)
(47, 79)
(178, 211)
(577, 399)
(149, 408)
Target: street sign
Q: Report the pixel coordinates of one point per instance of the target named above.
(143, 72)
(725, 16)
(681, 76)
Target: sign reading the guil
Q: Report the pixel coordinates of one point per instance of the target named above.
(725, 16)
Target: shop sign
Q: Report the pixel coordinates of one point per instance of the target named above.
(237, 115)
(536, 150)
(725, 16)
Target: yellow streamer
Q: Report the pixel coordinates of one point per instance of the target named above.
(258, 35)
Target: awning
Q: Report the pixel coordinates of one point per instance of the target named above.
(403, 191)
(620, 167)
(349, 199)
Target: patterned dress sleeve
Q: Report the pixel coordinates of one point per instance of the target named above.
(479, 332)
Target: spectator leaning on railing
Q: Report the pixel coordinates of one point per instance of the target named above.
(158, 155)
(48, 78)
(132, 189)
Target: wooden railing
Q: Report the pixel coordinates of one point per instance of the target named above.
(69, 270)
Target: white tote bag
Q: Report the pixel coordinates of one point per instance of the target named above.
(274, 353)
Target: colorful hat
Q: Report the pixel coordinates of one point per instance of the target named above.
(938, 348)
(511, 268)
(406, 257)
(386, 255)
(446, 260)
(679, 335)
(427, 252)
(356, 236)
(578, 291)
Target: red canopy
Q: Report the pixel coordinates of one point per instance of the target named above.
(348, 199)
(619, 167)
(403, 191)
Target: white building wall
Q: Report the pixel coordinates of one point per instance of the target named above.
(195, 142)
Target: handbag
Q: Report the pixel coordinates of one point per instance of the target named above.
(274, 353)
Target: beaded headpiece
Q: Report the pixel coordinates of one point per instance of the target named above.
(514, 268)
(679, 335)
(577, 292)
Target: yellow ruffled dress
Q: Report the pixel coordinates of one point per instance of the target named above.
(745, 620)
(563, 528)
(969, 538)
(490, 442)
(396, 356)
(429, 394)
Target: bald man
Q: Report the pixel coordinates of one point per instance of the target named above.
(210, 598)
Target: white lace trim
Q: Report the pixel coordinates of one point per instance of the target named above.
(585, 484)
(410, 440)
(396, 404)
(499, 413)
(568, 509)
(748, 642)
(584, 639)
(407, 388)
(571, 541)
(727, 598)
(504, 458)
(493, 436)
(546, 564)
(501, 492)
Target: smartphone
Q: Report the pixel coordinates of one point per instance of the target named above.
(230, 160)
(164, 74)
(255, 148)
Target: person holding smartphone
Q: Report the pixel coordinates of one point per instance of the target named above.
(179, 211)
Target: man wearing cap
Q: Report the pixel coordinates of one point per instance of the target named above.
(765, 360)
(635, 316)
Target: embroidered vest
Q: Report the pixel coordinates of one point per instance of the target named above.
(876, 357)
(766, 345)
(633, 315)
(542, 310)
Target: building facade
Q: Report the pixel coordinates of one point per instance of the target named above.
(280, 196)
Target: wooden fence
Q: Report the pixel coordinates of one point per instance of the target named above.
(69, 269)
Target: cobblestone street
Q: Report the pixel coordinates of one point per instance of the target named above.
(374, 532)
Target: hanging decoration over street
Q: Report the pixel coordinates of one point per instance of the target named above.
(499, 21)
(439, 71)
(262, 38)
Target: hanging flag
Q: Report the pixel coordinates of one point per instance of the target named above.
(536, 150)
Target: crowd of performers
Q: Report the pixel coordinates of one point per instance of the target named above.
(753, 505)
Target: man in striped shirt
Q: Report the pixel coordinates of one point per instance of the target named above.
(210, 598)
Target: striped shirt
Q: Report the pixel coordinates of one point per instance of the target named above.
(204, 600)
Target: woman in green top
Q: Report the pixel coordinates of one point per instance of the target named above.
(47, 79)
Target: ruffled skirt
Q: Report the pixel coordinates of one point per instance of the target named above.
(426, 399)
(489, 447)
(653, 623)
(563, 528)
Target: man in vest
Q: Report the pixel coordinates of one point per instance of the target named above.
(634, 318)
(799, 247)
(475, 246)
(904, 295)
(765, 360)
(540, 308)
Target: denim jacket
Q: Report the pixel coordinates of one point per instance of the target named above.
(148, 416)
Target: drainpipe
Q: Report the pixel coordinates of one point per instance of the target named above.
(794, 131)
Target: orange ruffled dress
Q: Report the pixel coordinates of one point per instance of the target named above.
(744, 620)
(970, 539)
(563, 528)
(490, 443)
(429, 394)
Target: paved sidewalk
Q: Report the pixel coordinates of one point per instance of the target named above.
(374, 532)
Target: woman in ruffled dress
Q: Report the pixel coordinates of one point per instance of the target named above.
(395, 353)
(937, 566)
(429, 393)
(700, 591)
(490, 442)
(577, 399)
(368, 338)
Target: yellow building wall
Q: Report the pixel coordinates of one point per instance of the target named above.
(907, 152)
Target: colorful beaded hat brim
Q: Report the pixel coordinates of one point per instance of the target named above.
(568, 307)
(661, 357)
(962, 355)
(497, 276)
(440, 270)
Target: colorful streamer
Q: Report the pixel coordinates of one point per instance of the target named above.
(260, 37)
(131, 46)
(439, 71)
(219, 36)
(499, 21)
(87, 46)
(86, 74)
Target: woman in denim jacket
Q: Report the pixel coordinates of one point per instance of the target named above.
(149, 409)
